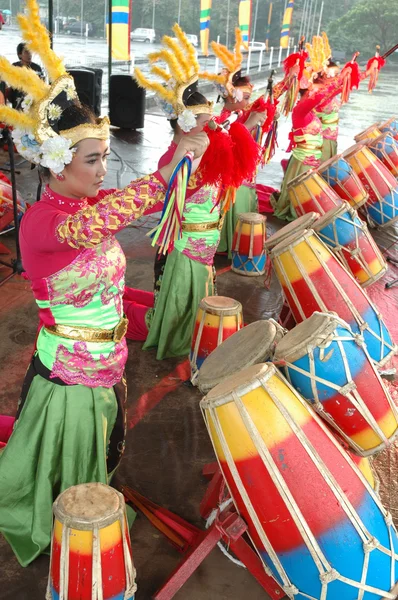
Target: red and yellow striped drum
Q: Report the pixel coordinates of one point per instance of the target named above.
(310, 512)
(339, 174)
(218, 318)
(390, 125)
(381, 186)
(348, 237)
(385, 148)
(314, 280)
(369, 133)
(248, 251)
(309, 192)
(91, 555)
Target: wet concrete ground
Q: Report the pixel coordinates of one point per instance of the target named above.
(167, 446)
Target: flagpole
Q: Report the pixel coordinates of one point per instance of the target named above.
(320, 18)
(253, 37)
(228, 8)
(302, 18)
(313, 18)
(268, 27)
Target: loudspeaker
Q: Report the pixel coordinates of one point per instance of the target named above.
(88, 84)
(126, 103)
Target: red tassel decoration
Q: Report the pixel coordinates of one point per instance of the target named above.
(374, 69)
(246, 154)
(217, 162)
(351, 81)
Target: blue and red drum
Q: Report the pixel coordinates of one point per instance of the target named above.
(369, 133)
(385, 148)
(382, 187)
(313, 279)
(313, 517)
(248, 251)
(329, 366)
(348, 237)
(391, 126)
(218, 318)
(91, 555)
(309, 192)
(341, 177)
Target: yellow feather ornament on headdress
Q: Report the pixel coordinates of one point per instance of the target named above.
(180, 57)
(319, 53)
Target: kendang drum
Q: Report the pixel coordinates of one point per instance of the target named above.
(218, 318)
(391, 126)
(369, 133)
(381, 186)
(329, 366)
(91, 555)
(248, 252)
(314, 519)
(253, 344)
(348, 237)
(386, 149)
(299, 224)
(314, 280)
(309, 192)
(341, 177)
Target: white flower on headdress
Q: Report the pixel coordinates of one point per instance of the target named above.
(187, 120)
(166, 107)
(238, 95)
(27, 103)
(70, 91)
(56, 153)
(26, 145)
(54, 112)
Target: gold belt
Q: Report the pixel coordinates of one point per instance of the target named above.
(200, 226)
(89, 334)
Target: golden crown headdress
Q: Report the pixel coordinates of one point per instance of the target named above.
(232, 62)
(36, 133)
(180, 57)
(319, 53)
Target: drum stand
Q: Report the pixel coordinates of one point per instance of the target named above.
(15, 264)
(196, 544)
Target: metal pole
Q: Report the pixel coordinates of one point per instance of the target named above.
(153, 14)
(280, 56)
(255, 22)
(81, 17)
(51, 21)
(268, 26)
(109, 50)
(248, 60)
(217, 59)
(320, 18)
(260, 62)
(179, 13)
(309, 16)
(228, 8)
(313, 17)
(303, 18)
(271, 56)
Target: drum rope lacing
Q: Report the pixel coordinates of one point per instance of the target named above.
(326, 572)
(333, 181)
(250, 255)
(379, 149)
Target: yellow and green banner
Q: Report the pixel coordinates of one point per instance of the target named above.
(287, 21)
(245, 11)
(121, 17)
(205, 10)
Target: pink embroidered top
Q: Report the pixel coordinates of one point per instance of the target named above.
(328, 112)
(76, 268)
(200, 207)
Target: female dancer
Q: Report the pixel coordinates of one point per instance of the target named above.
(70, 424)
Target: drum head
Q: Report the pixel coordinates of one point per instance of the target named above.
(217, 305)
(368, 132)
(353, 150)
(251, 345)
(251, 217)
(302, 177)
(87, 503)
(239, 382)
(331, 215)
(328, 163)
(300, 224)
(308, 334)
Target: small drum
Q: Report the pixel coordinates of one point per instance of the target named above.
(90, 551)
(370, 133)
(248, 252)
(311, 514)
(309, 192)
(386, 149)
(348, 236)
(341, 177)
(217, 319)
(253, 344)
(380, 184)
(329, 366)
(391, 125)
(314, 280)
(300, 224)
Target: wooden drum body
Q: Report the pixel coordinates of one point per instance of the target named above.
(309, 192)
(329, 366)
(391, 126)
(314, 519)
(218, 318)
(314, 280)
(341, 177)
(90, 552)
(386, 149)
(248, 252)
(348, 236)
(369, 133)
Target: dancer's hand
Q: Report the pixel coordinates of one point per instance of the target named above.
(256, 118)
(197, 143)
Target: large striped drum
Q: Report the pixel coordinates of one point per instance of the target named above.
(314, 280)
(391, 126)
(90, 551)
(369, 133)
(311, 514)
(248, 251)
(386, 149)
(348, 236)
(341, 177)
(218, 318)
(329, 366)
(305, 222)
(381, 186)
(309, 192)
